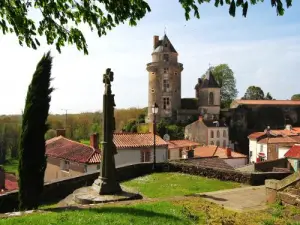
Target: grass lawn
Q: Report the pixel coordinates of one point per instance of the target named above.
(11, 166)
(176, 184)
(191, 210)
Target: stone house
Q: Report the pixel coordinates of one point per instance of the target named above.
(208, 132)
(272, 144)
(164, 87)
(234, 159)
(68, 158)
(293, 156)
(178, 149)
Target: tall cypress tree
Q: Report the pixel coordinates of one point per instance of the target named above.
(32, 162)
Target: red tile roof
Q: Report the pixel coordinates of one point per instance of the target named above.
(137, 140)
(294, 152)
(275, 140)
(61, 147)
(265, 102)
(11, 183)
(212, 150)
(174, 144)
(256, 135)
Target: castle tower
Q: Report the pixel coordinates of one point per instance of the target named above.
(209, 96)
(164, 79)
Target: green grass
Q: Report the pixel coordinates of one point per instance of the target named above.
(149, 213)
(176, 184)
(11, 166)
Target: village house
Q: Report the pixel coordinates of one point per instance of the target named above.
(68, 158)
(208, 132)
(232, 158)
(293, 156)
(178, 149)
(272, 144)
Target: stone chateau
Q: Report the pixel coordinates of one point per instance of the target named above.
(165, 87)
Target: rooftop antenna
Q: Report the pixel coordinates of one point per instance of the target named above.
(165, 30)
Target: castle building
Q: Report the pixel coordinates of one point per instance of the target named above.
(165, 87)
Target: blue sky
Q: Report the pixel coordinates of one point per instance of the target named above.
(262, 49)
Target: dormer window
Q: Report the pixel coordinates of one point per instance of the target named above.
(166, 44)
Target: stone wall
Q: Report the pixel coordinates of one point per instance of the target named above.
(59, 189)
(268, 166)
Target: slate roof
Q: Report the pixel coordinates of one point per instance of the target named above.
(174, 144)
(137, 140)
(209, 162)
(161, 45)
(209, 81)
(294, 152)
(213, 150)
(61, 147)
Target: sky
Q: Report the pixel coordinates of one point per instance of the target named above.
(262, 50)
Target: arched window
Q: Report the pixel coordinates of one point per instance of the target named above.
(212, 143)
(212, 134)
(218, 143)
(224, 133)
(224, 143)
(211, 98)
(218, 134)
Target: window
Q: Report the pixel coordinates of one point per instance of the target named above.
(250, 154)
(152, 90)
(218, 134)
(145, 156)
(218, 143)
(175, 73)
(168, 154)
(66, 165)
(212, 143)
(153, 73)
(224, 143)
(166, 44)
(224, 133)
(166, 57)
(166, 70)
(85, 168)
(166, 103)
(180, 153)
(212, 134)
(211, 98)
(261, 148)
(98, 166)
(166, 85)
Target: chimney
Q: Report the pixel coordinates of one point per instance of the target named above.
(155, 41)
(2, 178)
(61, 132)
(288, 127)
(94, 141)
(228, 152)
(200, 118)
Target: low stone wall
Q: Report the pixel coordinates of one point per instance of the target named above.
(59, 189)
(227, 175)
(267, 166)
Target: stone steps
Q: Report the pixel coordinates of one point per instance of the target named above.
(289, 198)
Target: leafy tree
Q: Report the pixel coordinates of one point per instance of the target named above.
(225, 78)
(269, 96)
(61, 18)
(32, 163)
(295, 97)
(254, 93)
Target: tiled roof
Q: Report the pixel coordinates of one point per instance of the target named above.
(212, 150)
(181, 144)
(256, 135)
(209, 162)
(294, 152)
(61, 147)
(209, 81)
(161, 48)
(235, 103)
(137, 140)
(275, 140)
(11, 183)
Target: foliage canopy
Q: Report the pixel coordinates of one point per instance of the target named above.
(60, 19)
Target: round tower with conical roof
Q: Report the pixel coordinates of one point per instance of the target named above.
(164, 79)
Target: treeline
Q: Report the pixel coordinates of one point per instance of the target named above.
(78, 127)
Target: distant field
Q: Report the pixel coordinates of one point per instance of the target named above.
(176, 184)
